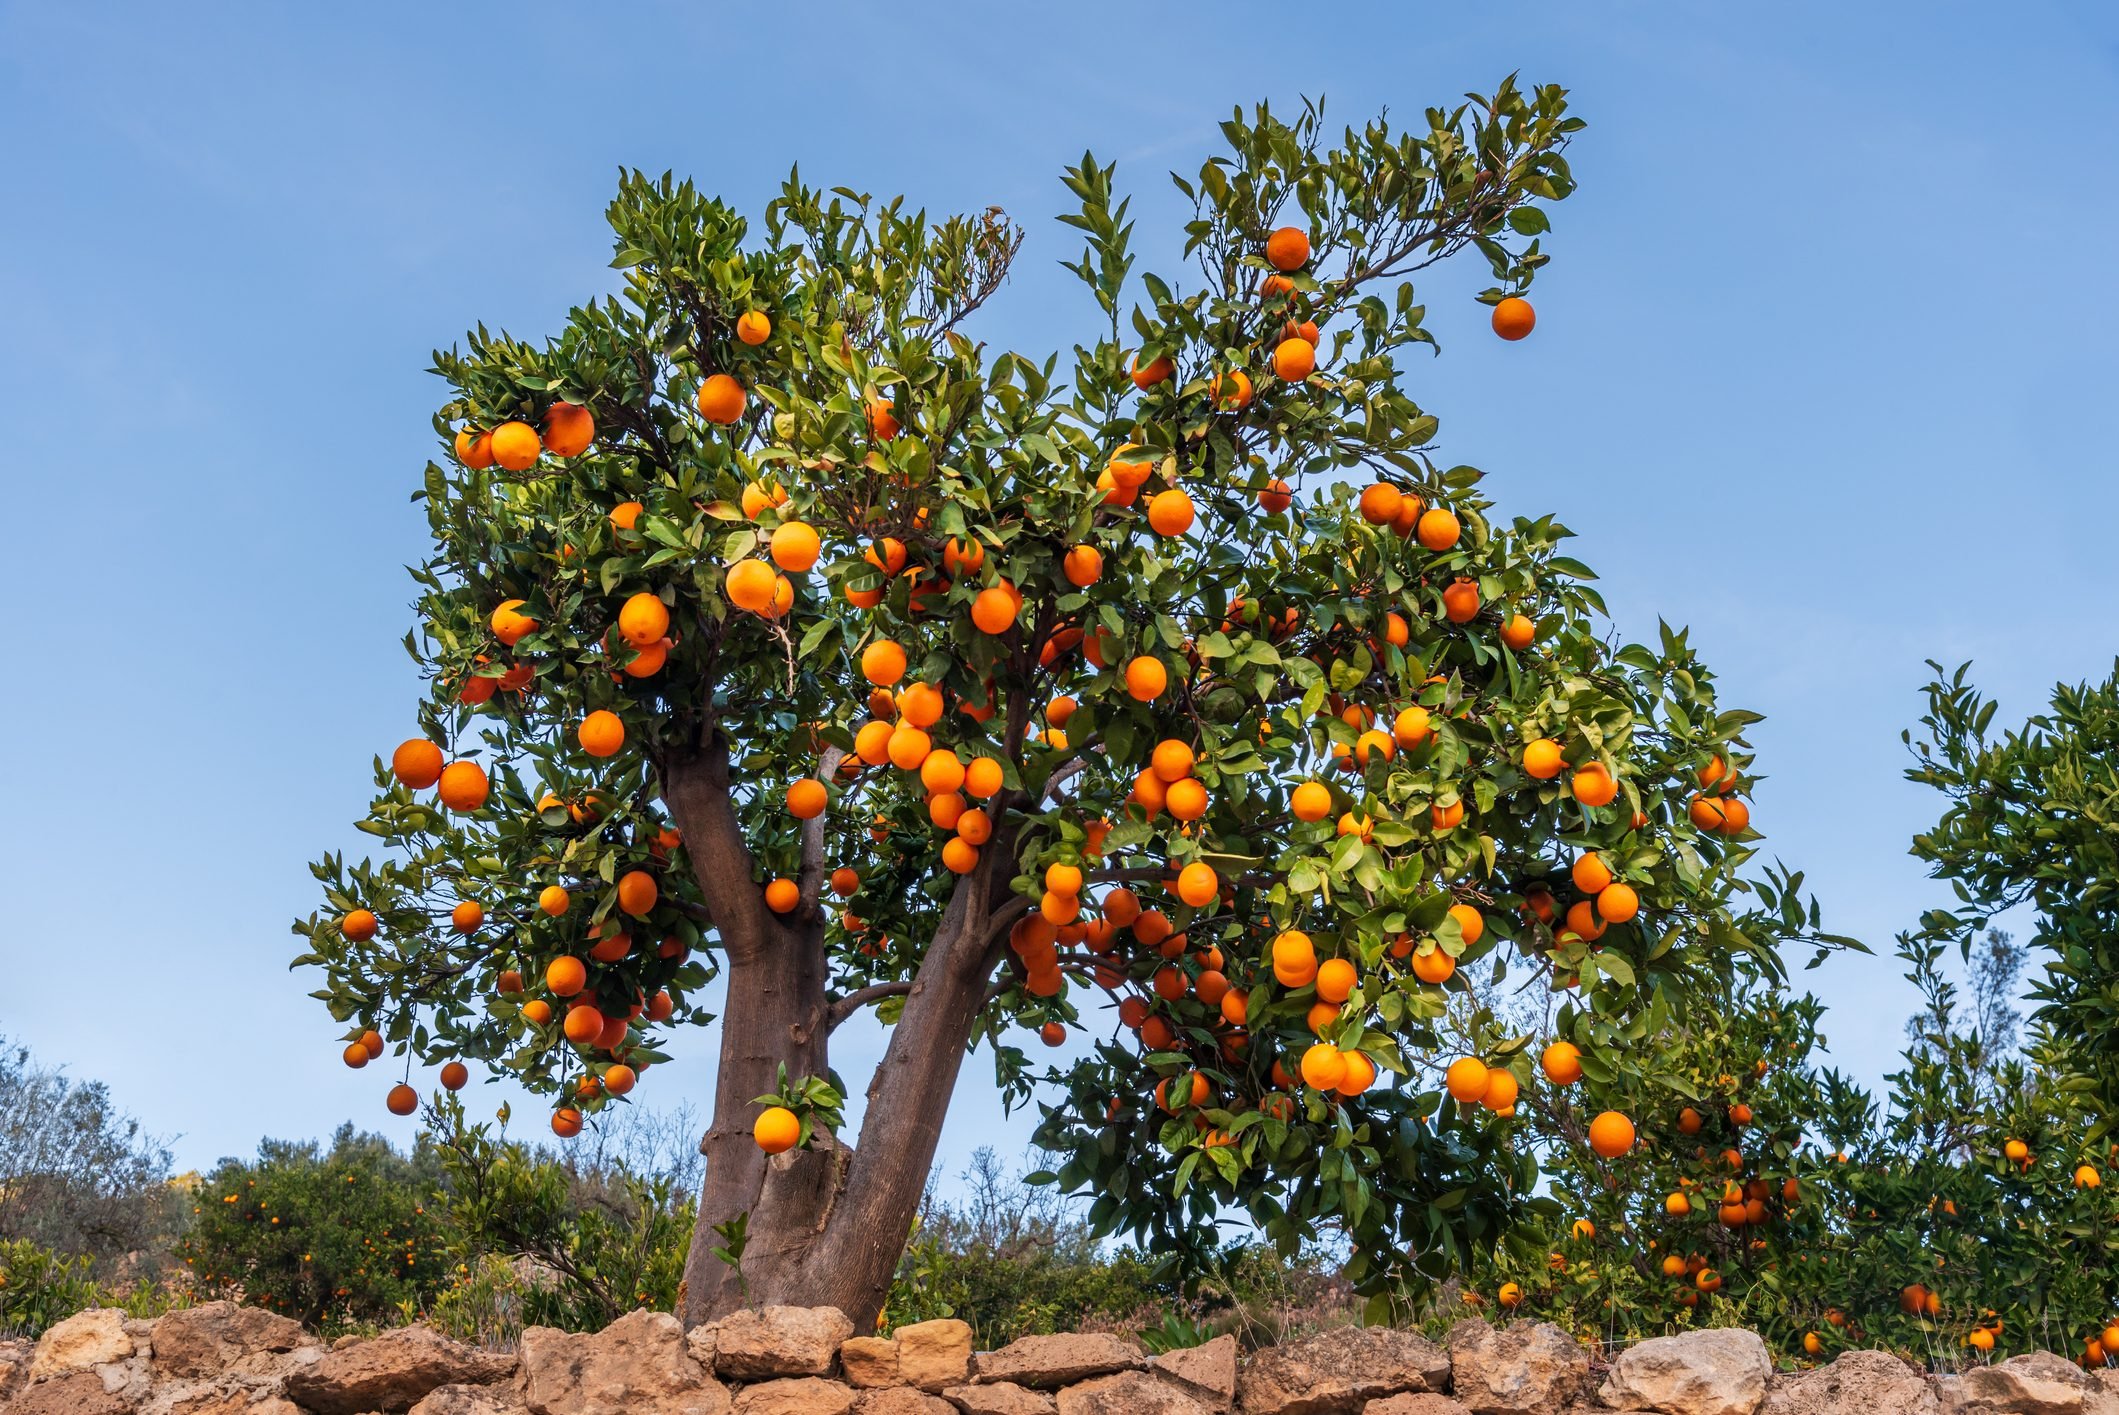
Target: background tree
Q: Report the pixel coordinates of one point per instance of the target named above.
(77, 1175)
(765, 585)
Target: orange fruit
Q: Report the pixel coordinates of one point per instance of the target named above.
(1336, 978)
(1437, 529)
(909, 747)
(1146, 678)
(994, 610)
(983, 777)
(872, 743)
(1518, 632)
(454, 1075)
(1514, 318)
(1708, 813)
(1380, 503)
(1410, 728)
(1186, 799)
(1172, 760)
(554, 900)
(1502, 1088)
(1358, 1073)
(1592, 785)
(1467, 1080)
(882, 418)
(920, 705)
(1233, 390)
(782, 895)
(1562, 1063)
(1542, 759)
(1617, 903)
(807, 798)
(515, 446)
(474, 450)
(643, 619)
(1276, 496)
(1460, 602)
(959, 855)
(565, 976)
(1197, 884)
(720, 399)
(1323, 1066)
(583, 1024)
(416, 763)
(637, 893)
(777, 1129)
(1445, 818)
(463, 786)
(1170, 513)
(974, 827)
(1294, 359)
(569, 428)
(466, 917)
(566, 1122)
(883, 662)
(1084, 565)
(601, 733)
(508, 625)
(1434, 966)
(1611, 1134)
(795, 547)
(1158, 369)
(1288, 248)
(402, 1100)
(941, 772)
(358, 926)
(1589, 872)
(1311, 801)
(1471, 924)
(754, 327)
(537, 1013)
(750, 585)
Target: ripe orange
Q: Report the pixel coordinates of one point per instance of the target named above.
(1611, 1134)
(1434, 966)
(941, 772)
(1460, 602)
(1084, 565)
(474, 450)
(1275, 497)
(782, 895)
(1170, 513)
(1467, 1080)
(1514, 318)
(807, 798)
(1172, 760)
(355, 1055)
(982, 778)
(795, 547)
(909, 747)
(994, 610)
(1444, 818)
(1323, 1066)
(537, 1013)
(466, 917)
(1502, 1088)
(583, 1024)
(882, 419)
(974, 827)
(1336, 979)
(1146, 678)
(566, 1122)
(1232, 391)
(554, 899)
(1357, 1075)
(1410, 728)
(402, 1100)
(1471, 924)
(358, 926)
(1561, 1063)
(643, 619)
(777, 1129)
(1593, 785)
(601, 733)
(1311, 801)
(844, 881)
(637, 893)
(454, 1075)
(720, 399)
(416, 763)
(1617, 903)
(569, 428)
(883, 662)
(1589, 872)
(1186, 800)
(515, 446)
(1542, 759)
(1294, 359)
(1707, 813)
(1437, 529)
(508, 625)
(959, 855)
(754, 327)
(1288, 248)
(565, 976)
(463, 786)
(1518, 632)
(1380, 503)
(1153, 373)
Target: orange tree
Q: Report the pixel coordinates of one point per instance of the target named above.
(780, 632)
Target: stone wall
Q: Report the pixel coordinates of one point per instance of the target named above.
(222, 1359)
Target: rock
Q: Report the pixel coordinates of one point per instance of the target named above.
(1855, 1383)
(1414, 1405)
(200, 1343)
(1340, 1371)
(72, 1393)
(794, 1395)
(1000, 1398)
(901, 1400)
(392, 1372)
(14, 1366)
(1207, 1372)
(1128, 1393)
(1044, 1362)
(2038, 1384)
(641, 1364)
(1528, 1368)
(932, 1355)
(761, 1343)
(471, 1400)
(87, 1339)
(1722, 1371)
(237, 1402)
(870, 1362)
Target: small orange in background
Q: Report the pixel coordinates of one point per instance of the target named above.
(402, 1100)
(466, 917)
(515, 446)
(720, 399)
(1542, 759)
(1611, 1134)
(1381, 503)
(1275, 496)
(569, 428)
(1514, 318)
(1157, 370)
(1294, 359)
(1288, 248)
(601, 733)
(416, 763)
(807, 798)
(782, 895)
(358, 926)
(754, 327)
(1084, 565)
(2086, 1177)
(1437, 529)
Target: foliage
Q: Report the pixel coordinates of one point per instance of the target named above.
(39, 1288)
(1025, 541)
(77, 1176)
(345, 1236)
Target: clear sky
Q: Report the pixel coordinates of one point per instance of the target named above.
(1823, 370)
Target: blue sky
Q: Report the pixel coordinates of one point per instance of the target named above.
(1818, 372)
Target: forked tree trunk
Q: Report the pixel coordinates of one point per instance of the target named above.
(825, 1225)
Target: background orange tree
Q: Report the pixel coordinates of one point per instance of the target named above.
(780, 632)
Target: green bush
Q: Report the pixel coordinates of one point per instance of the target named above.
(39, 1287)
(351, 1236)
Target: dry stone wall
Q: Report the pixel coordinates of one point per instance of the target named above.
(221, 1359)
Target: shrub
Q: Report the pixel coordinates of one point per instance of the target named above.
(77, 1176)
